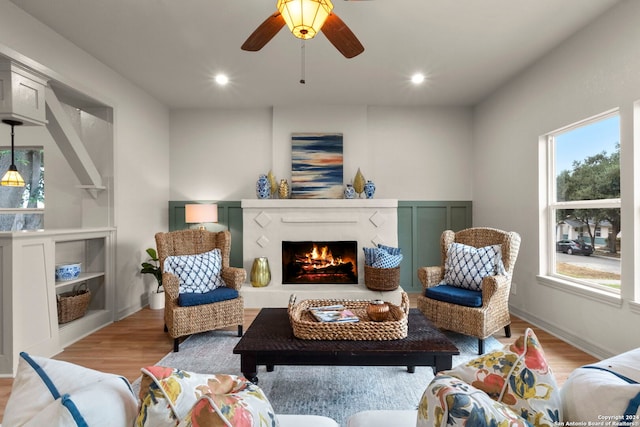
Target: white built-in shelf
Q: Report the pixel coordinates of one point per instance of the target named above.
(30, 317)
(83, 277)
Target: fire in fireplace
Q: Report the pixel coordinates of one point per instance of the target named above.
(315, 262)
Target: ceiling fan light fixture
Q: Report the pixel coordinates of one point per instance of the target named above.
(305, 17)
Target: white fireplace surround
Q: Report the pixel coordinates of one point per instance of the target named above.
(268, 222)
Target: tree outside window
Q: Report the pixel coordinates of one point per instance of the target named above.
(595, 178)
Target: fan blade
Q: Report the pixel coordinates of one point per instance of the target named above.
(264, 33)
(341, 36)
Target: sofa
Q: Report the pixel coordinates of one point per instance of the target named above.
(48, 392)
(512, 386)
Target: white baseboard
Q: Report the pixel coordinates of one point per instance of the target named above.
(586, 346)
(128, 311)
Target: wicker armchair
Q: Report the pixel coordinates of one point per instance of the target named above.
(182, 321)
(493, 314)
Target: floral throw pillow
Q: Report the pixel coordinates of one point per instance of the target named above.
(448, 402)
(199, 273)
(172, 397)
(466, 266)
(519, 377)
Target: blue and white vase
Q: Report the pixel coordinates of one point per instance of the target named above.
(263, 187)
(349, 192)
(369, 189)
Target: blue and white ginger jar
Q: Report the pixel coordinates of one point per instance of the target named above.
(263, 187)
(369, 189)
(349, 192)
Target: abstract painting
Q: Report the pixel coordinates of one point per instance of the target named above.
(316, 166)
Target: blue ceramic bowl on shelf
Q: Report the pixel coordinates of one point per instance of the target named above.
(68, 271)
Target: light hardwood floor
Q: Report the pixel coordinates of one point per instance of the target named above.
(139, 340)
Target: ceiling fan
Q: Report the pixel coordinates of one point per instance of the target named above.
(305, 18)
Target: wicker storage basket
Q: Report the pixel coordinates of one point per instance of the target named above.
(73, 305)
(381, 279)
(305, 326)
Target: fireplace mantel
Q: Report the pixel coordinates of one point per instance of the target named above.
(266, 223)
(318, 203)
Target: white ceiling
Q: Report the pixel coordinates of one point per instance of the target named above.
(172, 48)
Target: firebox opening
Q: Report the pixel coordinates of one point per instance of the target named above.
(318, 262)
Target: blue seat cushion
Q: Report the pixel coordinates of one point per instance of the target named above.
(455, 295)
(218, 294)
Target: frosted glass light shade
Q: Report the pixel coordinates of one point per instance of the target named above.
(304, 17)
(199, 213)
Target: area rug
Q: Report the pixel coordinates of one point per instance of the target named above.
(333, 391)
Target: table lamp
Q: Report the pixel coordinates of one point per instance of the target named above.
(200, 213)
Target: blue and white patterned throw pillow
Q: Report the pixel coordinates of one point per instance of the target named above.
(198, 273)
(390, 250)
(386, 260)
(369, 256)
(466, 266)
(382, 256)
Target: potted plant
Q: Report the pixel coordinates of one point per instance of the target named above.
(152, 266)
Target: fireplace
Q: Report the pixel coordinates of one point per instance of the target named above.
(269, 222)
(319, 262)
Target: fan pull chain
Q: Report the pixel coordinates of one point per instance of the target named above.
(302, 62)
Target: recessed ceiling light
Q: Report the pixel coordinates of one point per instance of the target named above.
(222, 79)
(417, 78)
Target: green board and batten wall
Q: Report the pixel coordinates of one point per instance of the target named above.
(420, 224)
(229, 218)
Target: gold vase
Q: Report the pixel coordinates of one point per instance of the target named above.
(358, 182)
(283, 189)
(260, 272)
(272, 183)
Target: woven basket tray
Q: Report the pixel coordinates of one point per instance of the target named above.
(73, 305)
(381, 279)
(305, 326)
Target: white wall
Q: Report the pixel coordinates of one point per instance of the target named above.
(218, 154)
(594, 71)
(422, 153)
(141, 137)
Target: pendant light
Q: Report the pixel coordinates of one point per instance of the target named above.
(12, 178)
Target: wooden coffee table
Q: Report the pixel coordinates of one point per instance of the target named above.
(269, 341)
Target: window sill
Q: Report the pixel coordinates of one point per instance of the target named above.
(634, 306)
(610, 298)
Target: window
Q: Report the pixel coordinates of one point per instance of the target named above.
(22, 208)
(584, 203)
